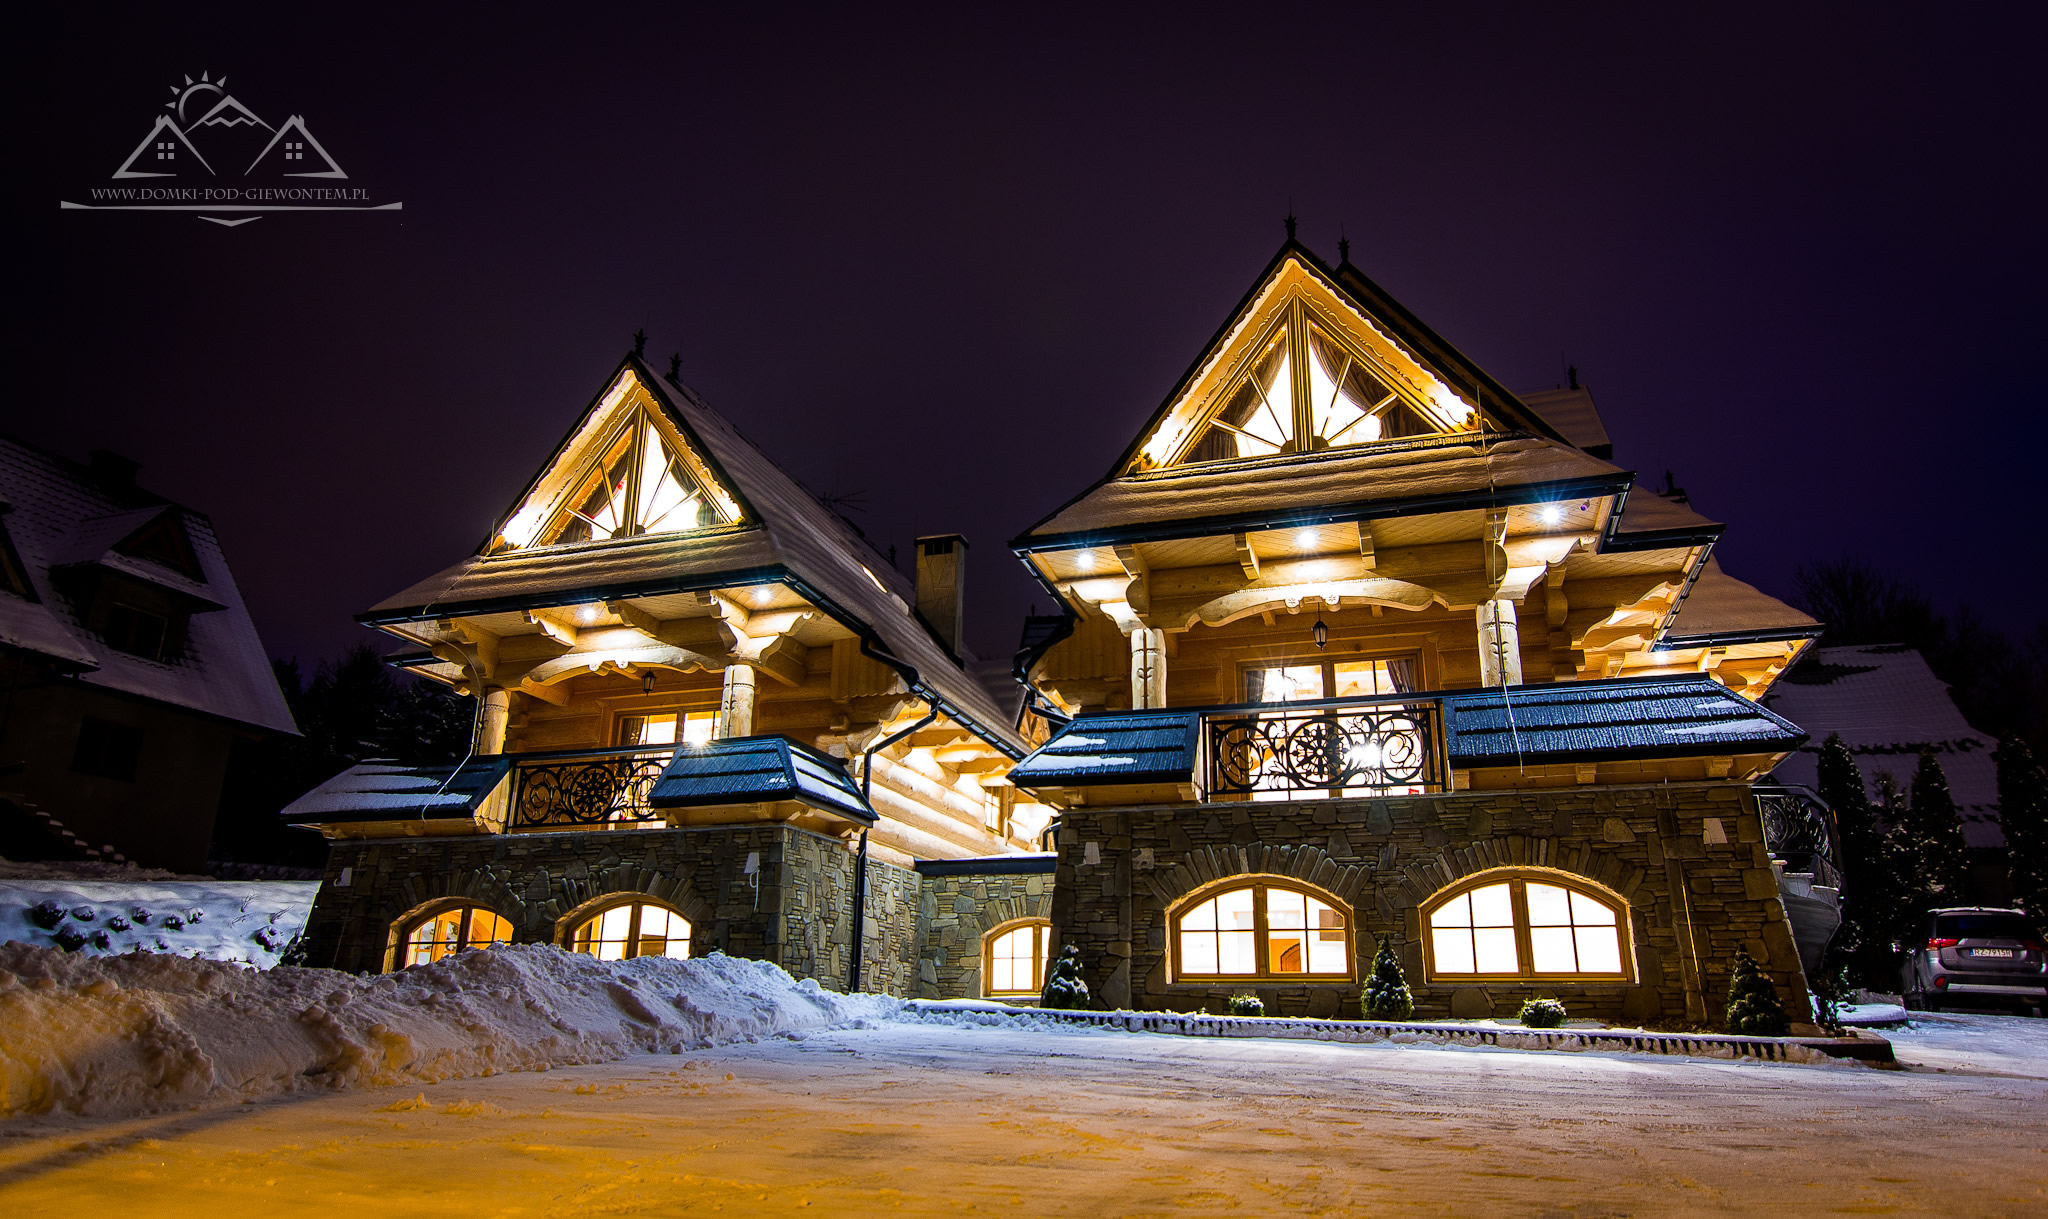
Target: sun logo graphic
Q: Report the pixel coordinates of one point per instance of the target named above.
(205, 118)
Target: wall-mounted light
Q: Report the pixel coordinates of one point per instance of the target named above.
(1321, 632)
(1305, 538)
(587, 615)
(1551, 513)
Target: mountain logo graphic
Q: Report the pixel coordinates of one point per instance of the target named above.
(215, 158)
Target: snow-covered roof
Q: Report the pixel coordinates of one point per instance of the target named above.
(1434, 475)
(1571, 412)
(1648, 515)
(59, 514)
(1888, 706)
(795, 534)
(1720, 607)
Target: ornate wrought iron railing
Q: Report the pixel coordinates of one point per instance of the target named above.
(1344, 747)
(606, 787)
(1799, 828)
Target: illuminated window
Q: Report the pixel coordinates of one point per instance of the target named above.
(641, 484)
(1307, 390)
(1014, 956)
(1507, 925)
(1267, 929)
(1311, 680)
(451, 931)
(692, 727)
(633, 929)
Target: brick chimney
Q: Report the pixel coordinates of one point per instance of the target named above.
(111, 470)
(942, 587)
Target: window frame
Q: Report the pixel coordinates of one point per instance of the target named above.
(408, 925)
(590, 913)
(1041, 962)
(1328, 662)
(1260, 883)
(1518, 880)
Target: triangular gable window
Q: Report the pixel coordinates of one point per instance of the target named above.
(641, 484)
(1304, 387)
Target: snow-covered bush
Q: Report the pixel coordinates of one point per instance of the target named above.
(1543, 1014)
(46, 914)
(1064, 988)
(1246, 1003)
(1753, 1006)
(1386, 994)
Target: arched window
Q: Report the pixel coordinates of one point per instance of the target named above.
(632, 929)
(450, 930)
(1263, 929)
(1509, 924)
(1013, 957)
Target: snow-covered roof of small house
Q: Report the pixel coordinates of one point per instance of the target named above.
(60, 515)
(387, 791)
(786, 535)
(1888, 706)
(754, 769)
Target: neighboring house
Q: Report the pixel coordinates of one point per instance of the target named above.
(1889, 708)
(1353, 643)
(128, 666)
(1362, 645)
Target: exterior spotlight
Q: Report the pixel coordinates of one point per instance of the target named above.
(1551, 514)
(1305, 538)
(647, 682)
(587, 614)
(1085, 560)
(1321, 632)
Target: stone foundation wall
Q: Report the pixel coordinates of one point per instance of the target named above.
(1692, 900)
(796, 910)
(958, 911)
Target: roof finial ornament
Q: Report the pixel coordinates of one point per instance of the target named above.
(675, 369)
(1571, 374)
(1290, 222)
(640, 343)
(1343, 248)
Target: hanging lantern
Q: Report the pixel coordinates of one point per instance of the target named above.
(1321, 632)
(647, 682)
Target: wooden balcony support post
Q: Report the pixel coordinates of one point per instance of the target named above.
(1500, 644)
(1148, 668)
(490, 726)
(735, 704)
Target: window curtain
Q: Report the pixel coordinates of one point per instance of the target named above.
(1402, 674)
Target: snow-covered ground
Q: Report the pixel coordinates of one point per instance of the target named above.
(865, 1108)
(221, 920)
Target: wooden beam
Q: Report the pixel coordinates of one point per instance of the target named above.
(1366, 545)
(1247, 558)
(560, 632)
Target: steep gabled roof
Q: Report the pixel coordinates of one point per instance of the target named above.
(784, 534)
(60, 515)
(1719, 610)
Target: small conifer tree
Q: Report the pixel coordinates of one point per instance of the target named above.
(1064, 988)
(1386, 994)
(1933, 839)
(2023, 815)
(1753, 1007)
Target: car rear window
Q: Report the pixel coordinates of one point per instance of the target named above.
(1985, 926)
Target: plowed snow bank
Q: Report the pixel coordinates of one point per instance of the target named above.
(130, 1034)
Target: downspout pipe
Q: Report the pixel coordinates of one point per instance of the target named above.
(860, 874)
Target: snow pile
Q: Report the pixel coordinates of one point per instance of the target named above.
(116, 1035)
(222, 920)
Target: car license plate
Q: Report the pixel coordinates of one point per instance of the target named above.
(1991, 952)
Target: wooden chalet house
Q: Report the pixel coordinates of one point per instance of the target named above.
(705, 702)
(1359, 644)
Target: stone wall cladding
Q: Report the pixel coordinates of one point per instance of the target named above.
(1692, 902)
(957, 912)
(796, 910)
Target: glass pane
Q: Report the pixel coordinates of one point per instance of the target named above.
(1362, 679)
(1492, 908)
(1599, 950)
(1284, 953)
(1286, 910)
(1002, 976)
(1198, 952)
(1234, 909)
(1587, 912)
(1258, 418)
(1328, 951)
(1234, 952)
(1494, 950)
(1456, 912)
(1551, 948)
(657, 730)
(653, 921)
(598, 511)
(433, 939)
(1201, 918)
(613, 923)
(1453, 947)
(697, 727)
(669, 499)
(1548, 907)
(486, 929)
(1290, 684)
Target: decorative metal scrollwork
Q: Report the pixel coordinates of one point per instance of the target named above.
(604, 789)
(1372, 749)
(1800, 829)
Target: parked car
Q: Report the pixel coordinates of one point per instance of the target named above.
(1977, 955)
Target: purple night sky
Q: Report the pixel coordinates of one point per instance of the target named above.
(954, 261)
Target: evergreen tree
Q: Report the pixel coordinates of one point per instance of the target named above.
(1386, 994)
(1870, 895)
(2023, 814)
(1931, 839)
(1753, 1007)
(1064, 988)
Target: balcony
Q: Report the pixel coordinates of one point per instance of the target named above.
(1800, 830)
(1331, 748)
(594, 789)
